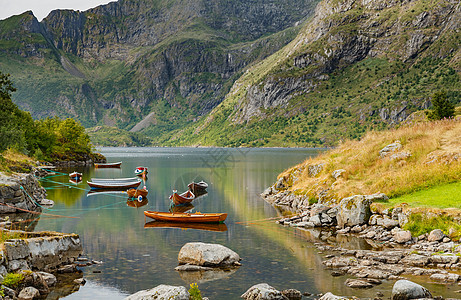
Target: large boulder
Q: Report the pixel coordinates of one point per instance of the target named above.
(162, 292)
(405, 289)
(208, 255)
(354, 210)
(263, 291)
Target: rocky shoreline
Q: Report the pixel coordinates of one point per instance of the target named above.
(395, 252)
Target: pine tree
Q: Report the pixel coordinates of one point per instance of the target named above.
(442, 107)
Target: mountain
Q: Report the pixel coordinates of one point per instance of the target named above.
(143, 66)
(355, 66)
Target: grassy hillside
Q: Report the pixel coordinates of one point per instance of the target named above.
(429, 157)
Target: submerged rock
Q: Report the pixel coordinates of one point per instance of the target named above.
(330, 296)
(208, 255)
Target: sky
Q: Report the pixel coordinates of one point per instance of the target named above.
(41, 8)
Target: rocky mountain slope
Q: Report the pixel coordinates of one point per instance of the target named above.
(357, 65)
(164, 62)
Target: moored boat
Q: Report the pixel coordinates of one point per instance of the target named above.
(140, 171)
(186, 217)
(108, 165)
(114, 185)
(183, 198)
(198, 187)
(76, 176)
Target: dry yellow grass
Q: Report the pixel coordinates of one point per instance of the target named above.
(435, 158)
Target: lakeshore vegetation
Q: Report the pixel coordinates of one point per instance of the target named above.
(24, 139)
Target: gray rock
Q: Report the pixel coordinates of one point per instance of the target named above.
(402, 236)
(263, 291)
(314, 170)
(387, 223)
(353, 211)
(405, 289)
(208, 255)
(416, 260)
(358, 284)
(50, 279)
(330, 296)
(28, 293)
(338, 173)
(450, 277)
(390, 148)
(435, 235)
(188, 267)
(443, 259)
(292, 294)
(315, 220)
(161, 292)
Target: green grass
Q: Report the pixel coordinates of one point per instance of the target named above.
(420, 224)
(443, 196)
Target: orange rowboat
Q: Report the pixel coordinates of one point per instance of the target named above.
(186, 217)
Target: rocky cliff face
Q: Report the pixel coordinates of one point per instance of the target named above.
(346, 32)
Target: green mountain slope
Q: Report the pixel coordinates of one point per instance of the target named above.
(161, 64)
(355, 66)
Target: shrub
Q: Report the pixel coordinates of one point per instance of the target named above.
(13, 280)
(194, 292)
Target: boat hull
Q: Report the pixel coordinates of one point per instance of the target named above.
(183, 198)
(114, 185)
(186, 217)
(108, 165)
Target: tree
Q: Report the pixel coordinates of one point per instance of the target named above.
(442, 107)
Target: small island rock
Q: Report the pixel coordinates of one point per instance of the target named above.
(208, 255)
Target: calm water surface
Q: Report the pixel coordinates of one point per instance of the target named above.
(136, 256)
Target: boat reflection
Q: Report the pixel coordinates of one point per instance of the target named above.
(181, 208)
(198, 226)
(134, 202)
(201, 276)
(75, 180)
(106, 191)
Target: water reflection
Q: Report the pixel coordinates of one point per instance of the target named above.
(201, 276)
(134, 202)
(185, 226)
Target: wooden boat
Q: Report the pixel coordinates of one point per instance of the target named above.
(129, 179)
(76, 176)
(136, 203)
(114, 185)
(198, 187)
(186, 217)
(183, 198)
(182, 225)
(75, 181)
(139, 171)
(134, 193)
(108, 165)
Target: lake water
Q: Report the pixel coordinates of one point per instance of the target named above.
(137, 256)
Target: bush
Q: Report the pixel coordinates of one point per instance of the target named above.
(194, 292)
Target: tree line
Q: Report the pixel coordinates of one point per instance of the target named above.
(48, 139)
